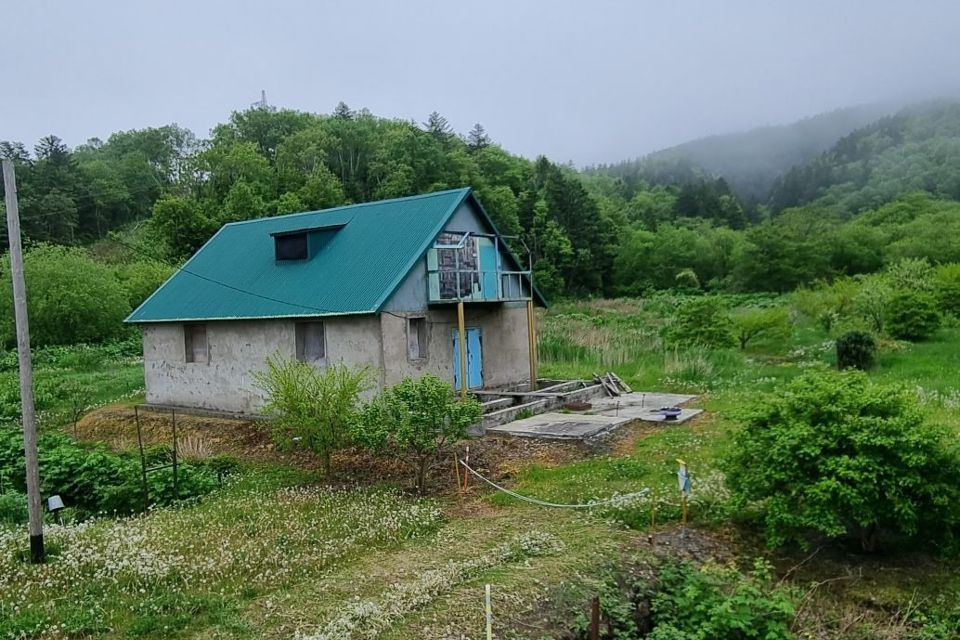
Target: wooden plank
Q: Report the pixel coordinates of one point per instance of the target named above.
(622, 384)
(610, 389)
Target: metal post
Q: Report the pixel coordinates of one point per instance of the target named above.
(176, 489)
(23, 358)
(143, 461)
(461, 328)
(532, 344)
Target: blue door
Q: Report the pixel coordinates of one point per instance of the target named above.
(474, 358)
(489, 269)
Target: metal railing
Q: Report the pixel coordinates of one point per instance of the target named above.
(454, 285)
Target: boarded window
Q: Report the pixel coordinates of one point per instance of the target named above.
(417, 338)
(195, 343)
(291, 247)
(311, 345)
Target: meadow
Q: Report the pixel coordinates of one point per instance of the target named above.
(278, 552)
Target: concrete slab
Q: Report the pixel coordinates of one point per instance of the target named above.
(645, 406)
(560, 426)
(605, 415)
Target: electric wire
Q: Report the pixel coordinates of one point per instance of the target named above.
(620, 499)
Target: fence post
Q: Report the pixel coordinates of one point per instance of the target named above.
(595, 618)
(143, 461)
(489, 615)
(176, 489)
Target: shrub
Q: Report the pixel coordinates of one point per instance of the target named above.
(13, 508)
(720, 602)
(315, 407)
(94, 479)
(140, 279)
(761, 324)
(836, 454)
(702, 321)
(871, 300)
(912, 315)
(72, 298)
(415, 420)
(914, 274)
(946, 288)
(857, 350)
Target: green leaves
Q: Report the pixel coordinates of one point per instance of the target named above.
(315, 407)
(702, 322)
(836, 454)
(912, 315)
(72, 298)
(415, 420)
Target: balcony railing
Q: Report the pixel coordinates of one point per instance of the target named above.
(468, 266)
(478, 285)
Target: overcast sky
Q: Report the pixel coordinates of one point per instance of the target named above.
(587, 81)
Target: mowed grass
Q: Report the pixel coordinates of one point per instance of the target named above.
(177, 570)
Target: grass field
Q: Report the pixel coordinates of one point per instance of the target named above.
(276, 553)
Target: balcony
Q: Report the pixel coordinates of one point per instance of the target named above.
(469, 267)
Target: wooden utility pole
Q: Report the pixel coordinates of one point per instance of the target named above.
(26, 373)
(532, 342)
(462, 334)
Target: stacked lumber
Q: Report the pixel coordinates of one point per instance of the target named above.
(612, 384)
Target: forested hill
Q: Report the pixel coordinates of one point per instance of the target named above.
(142, 201)
(169, 191)
(916, 149)
(750, 161)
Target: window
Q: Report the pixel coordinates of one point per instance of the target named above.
(311, 345)
(195, 343)
(291, 247)
(417, 338)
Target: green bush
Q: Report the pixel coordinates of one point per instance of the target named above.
(911, 315)
(72, 298)
(140, 279)
(946, 288)
(856, 350)
(716, 602)
(702, 322)
(13, 508)
(94, 479)
(310, 406)
(771, 323)
(839, 455)
(415, 420)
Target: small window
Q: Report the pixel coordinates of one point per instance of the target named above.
(291, 247)
(417, 338)
(311, 345)
(195, 343)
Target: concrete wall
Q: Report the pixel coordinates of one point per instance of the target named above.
(238, 347)
(503, 330)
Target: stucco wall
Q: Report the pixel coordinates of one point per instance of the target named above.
(503, 330)
(236, 348)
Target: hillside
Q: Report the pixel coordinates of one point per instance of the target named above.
(752, 160)
(918, 148)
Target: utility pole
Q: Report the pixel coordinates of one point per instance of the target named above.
(26, 373)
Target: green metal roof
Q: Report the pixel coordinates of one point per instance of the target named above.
(235, 274)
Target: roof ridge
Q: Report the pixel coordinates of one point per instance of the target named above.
(355, 205)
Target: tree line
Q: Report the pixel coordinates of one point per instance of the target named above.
(164, 191)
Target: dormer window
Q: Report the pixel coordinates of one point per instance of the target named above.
(298, 245)
(291, 246)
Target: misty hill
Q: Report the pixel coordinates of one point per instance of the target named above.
(918, 148)
(750, 161)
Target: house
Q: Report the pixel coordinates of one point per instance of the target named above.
(408, 286)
